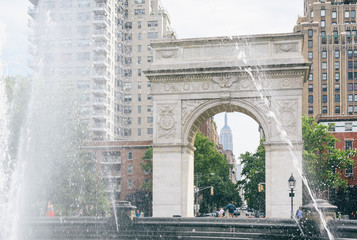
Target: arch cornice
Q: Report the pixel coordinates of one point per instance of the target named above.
(256, 108)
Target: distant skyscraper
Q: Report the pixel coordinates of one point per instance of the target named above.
(225, 137)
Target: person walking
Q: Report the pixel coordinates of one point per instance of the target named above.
(299, 213)
(50, 210)
(221, 212)
(231, 208)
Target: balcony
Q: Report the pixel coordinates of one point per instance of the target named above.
(101, 77)
(100, 102)
(101, 21)
(34, 2)
(100, 91)
(100, 115)
(99, 127)
(101, 8)
(100, 61)
(101, 48)
(101, 34)
(32, 11)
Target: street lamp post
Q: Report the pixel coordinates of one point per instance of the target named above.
(292, 183)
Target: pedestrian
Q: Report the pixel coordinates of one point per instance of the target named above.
(138, 213)
(299, 213)
(339, 215)
(50, 210)
(221, 212)
(142, 214)
(231, 208)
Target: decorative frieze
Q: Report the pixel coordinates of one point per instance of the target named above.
(167, 122)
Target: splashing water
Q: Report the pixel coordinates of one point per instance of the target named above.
(258, 82)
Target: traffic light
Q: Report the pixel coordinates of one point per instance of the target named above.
(212, 191)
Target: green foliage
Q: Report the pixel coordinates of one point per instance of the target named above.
(323, 164)
(208, 160)
(254, 173)
(146, 165)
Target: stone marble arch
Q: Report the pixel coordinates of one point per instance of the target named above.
(212, 107)
(194, 79)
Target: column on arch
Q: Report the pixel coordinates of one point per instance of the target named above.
(173, 180)
(279, 166)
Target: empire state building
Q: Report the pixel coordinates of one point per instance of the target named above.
(225, 137)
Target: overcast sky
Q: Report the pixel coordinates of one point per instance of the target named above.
(189, 18)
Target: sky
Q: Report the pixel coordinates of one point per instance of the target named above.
(190, 19)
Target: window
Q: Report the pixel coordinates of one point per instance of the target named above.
(350, 87)
(337, 97)
(353, 13)
(347, 14)
(334, 14)
(139, 36)
(139, 74)
(127, 132)
(127, 109)
(349, 53)
(355, 87)
(324, 65)
(309, 55)
(324, 98)
(149, 119)
(350, 64)
(127, 121)
(310, 77)
(152, 35)
(349, 171)
(350, 97)
(337, 76)
(337, 87)
(139, 109)
(323, 12)
(139, 97)
(149, 108)
(324, 109)
(324, 87)
(311, 110)
(139, 131)
(127, 98)
(130, 184)
(312, 14)
(309, 43)
(139, 48)
(149, 47)
(348, 128)
(83, 16)
(139, 11)
(324, 76)
(350, 75)
(355, 97)
(324, 54)
(337, 109)
(323, 34)
(139, 60)
(130, 155)
(149, 97)
(350, 109)
(150, 58)
(83, 3)
(337, 53)
(311, 99)
(139, 24)
(139, 1)
(139, 83)
(127, 86)
(153, 23)
(337, 65)
(323, 23)
(149, 131)
(149, 84)
(311, 88)
(309, 32)
(139, 120)
(355, 109)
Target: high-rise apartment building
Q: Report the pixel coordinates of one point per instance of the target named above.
(101, 48)
(330, 44)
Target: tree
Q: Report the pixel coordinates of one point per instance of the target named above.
(323, 164)
(146, 165)
(208, 161)
(254, 174)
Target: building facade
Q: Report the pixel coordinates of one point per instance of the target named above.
(330, 32)
(225, 137)
(100, 48)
